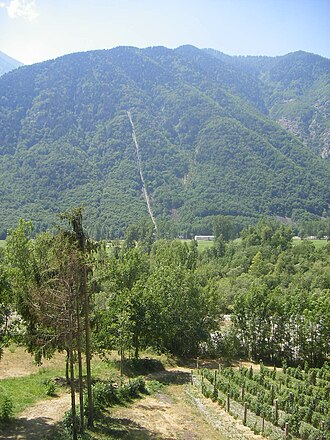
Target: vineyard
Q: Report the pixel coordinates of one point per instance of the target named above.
(287, 403)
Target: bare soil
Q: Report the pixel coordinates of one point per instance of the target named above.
(37, 422)
(179, 412)
(17, 362)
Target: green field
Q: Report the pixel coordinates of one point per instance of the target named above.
(202, 244)
(207, 244)
(317, 243)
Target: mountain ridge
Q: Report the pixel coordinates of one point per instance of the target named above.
(207, 144)
(8, 63)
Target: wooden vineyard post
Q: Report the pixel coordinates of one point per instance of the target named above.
(191, 377)
(286, 433)
(197, 363)
(245, 413)
(228, 402)
(263, 425)
(243, 391)
(291, 396)
(272, 395)
(215, 377)
(322, 429)
(276, 411)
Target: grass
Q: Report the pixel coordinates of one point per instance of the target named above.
(202, 244)
(24, 391)
(28, 386)
(317, 243)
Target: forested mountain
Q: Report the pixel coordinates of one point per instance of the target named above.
(207, 145)
(7, 63)
(296, 92)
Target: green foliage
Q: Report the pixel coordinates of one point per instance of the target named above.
(298, 404)
(295, 89)
(67, 422)
(106, 394)
(207, 146)
(6, 410)
(50, 386)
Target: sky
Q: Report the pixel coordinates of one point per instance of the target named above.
(36, 30)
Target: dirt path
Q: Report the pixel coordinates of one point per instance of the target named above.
(225, 424)
(166, 415)
(144, 187)
(38, 421)
(179, 412)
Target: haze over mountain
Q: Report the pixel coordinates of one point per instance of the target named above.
(7, 63)
(204, 123)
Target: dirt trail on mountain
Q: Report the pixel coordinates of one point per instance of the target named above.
(144, 187)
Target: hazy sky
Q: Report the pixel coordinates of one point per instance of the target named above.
(36, 30)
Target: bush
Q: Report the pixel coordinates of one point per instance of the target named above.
(104, 394)
(67, 421)
(136, 386)
(6, 410)
(50, 387)
(107, 393)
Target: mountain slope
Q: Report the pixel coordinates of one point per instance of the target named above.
(7, 63)
(206, 145)
(296, 92)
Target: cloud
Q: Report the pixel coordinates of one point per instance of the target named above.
(21, 8)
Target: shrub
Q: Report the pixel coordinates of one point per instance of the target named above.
(67, 421)
(50, 387)
(6, 410)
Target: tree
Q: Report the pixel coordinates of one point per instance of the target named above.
(223, 227)
(120, 315)
(75, 220)
(48, 278)
(177, 312)
(5, 305)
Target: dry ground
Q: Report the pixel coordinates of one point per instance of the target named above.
(16, 362)
(177, 411)
(37, 422)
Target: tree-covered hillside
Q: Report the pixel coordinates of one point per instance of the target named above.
(296, 91)
(207, 146)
